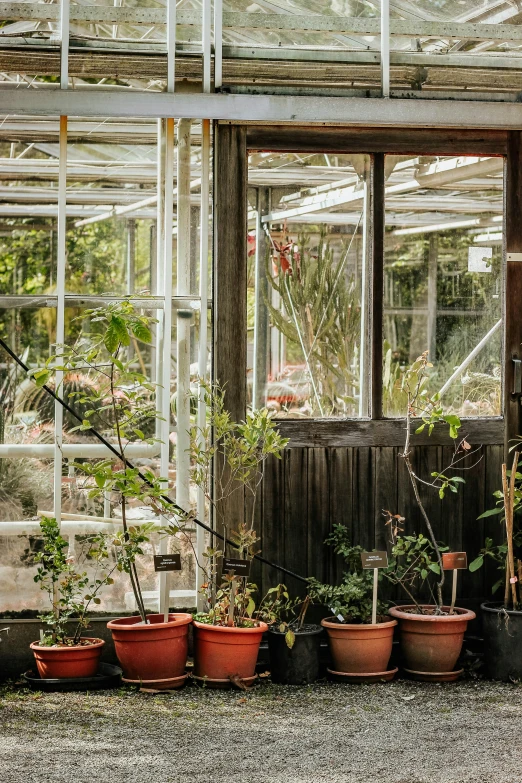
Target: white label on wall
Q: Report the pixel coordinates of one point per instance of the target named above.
(479, 259)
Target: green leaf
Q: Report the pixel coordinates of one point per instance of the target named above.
(476, 564)
(420, 429)
(290, 638)
(142, 332)
(435, 568)
(491, 513)
(452, 419)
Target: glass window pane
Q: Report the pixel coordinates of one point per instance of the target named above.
(443, 279)
(308, 284)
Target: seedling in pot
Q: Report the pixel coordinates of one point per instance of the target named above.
(239, 451)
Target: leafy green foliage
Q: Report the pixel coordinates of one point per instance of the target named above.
(240, 451)
(71, 591)
(413, 564)
(280, 611)
(320, 315)
(352, 599)
(120, 400)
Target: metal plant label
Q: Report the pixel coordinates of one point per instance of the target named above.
(236, 566)
(374, 559)
(167, 562)
(453, 561)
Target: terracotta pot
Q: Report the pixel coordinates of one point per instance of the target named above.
(63, 663)
(156, 651)
(221, 652)
(359, 648)
(430, 642)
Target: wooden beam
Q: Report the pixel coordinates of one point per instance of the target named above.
(512, 286)
(405, 141)
(343, 433)
(230, 284)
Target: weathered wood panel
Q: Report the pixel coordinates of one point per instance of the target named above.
(310, 490)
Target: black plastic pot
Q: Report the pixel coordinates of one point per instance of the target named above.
(298, 665)
(502, 642)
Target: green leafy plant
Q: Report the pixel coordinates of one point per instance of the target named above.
(320, 316)
(413, 564)
(508, 554)
(420, 406)
(228, 457)
(115, 401)
(351, 601)
(70, 589)
(284, 613)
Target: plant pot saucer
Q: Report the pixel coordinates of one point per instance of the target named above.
(159, 685)
(107, 676)
(209, 683)
(435, 676)
(364, 677)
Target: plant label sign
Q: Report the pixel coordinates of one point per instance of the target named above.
(453, 561)
(374, 559)
(167, 562)
(236, 566)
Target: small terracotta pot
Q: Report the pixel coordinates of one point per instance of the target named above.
(430, 642)
(359, 648)
(63, 663)
(156, 651)
(221, 652)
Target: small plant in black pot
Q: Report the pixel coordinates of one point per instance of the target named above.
(502, 620)
(292, 644)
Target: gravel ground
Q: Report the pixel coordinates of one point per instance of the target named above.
(401, 732)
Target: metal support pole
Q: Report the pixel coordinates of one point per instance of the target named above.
(206, 43)
(131, 256)
(261, 320)
(363, 343)
(203, 327)
(183, 318)
(218, 44)
(432, 297)
(64, 44)
(165, 179)
(171, 45)
(385, 48)
(60, 314)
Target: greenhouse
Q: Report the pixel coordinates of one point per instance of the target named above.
(260, 390)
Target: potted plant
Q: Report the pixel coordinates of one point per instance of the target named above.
(502, 620)
(151, 650)
(228, 634)
(431, 635)
(62, 652)
(293, 645)
(360, 651)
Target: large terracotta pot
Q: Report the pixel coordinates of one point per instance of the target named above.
(221, 652)
(156, 652)
(359, 648)
(62, 663)
(430, 642)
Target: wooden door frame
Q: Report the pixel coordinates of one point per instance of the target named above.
(232, 144)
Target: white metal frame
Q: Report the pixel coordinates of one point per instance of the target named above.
(360, 112)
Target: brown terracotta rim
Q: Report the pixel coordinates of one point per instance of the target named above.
(232, 629)
(163, 684)
(227, 682)
(48, 648)
(390, 674)
(123, 624)
(460, 614)
(332, 622)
